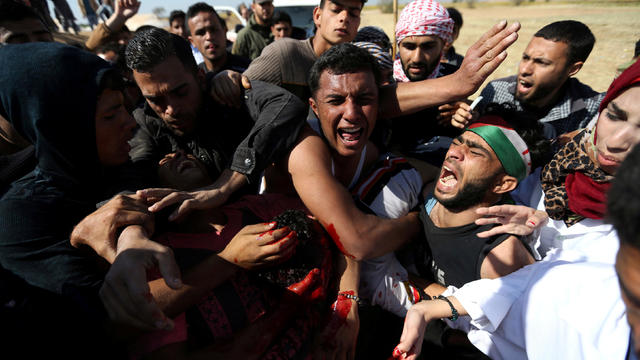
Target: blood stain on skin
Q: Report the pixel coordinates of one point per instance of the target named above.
(334, 235)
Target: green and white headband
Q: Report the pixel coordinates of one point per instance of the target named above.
(509, 147)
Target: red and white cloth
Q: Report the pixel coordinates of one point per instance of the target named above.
(422, 18)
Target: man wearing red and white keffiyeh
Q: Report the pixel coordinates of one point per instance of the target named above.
(422, 31)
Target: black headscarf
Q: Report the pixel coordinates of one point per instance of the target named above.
(49, 92)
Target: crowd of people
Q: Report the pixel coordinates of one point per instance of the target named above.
(174, 193)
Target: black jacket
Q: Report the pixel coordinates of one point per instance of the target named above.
(245, 140)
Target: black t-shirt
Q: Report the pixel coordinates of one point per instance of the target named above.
(453, 256)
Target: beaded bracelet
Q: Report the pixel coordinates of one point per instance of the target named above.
(355, 298)
(454, 312)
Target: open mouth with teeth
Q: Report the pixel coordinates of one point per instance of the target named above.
(448, 178)
(524, 86)
(350, 135)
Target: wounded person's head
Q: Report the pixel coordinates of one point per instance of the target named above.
(179, 170)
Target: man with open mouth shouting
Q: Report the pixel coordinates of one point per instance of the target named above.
(545, 85)
(481, 167)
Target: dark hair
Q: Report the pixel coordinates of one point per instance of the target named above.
(11, 10)
(342, 59)
(150, 47)
(529, 129)
(199, 7)
(455, 15)
(143, 28)
(110, 46)
(623, 200)
(373, 34)
(281, 16)
(322, 2)
(176, 14)
(573, 33)
(636, 52)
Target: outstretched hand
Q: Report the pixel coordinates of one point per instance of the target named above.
(415, 323)
(126, 8)
(484, 57)
(125, 292)
(188, 200)
(515, 219)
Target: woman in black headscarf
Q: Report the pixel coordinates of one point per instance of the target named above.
(68, 104)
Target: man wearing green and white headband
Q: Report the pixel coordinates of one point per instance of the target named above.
(481, 167)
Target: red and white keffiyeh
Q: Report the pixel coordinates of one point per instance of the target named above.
(422, 18)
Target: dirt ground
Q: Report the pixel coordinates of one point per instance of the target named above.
(616, 29)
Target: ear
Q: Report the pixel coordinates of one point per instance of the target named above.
(253, 6)
(505, 184)
(317, 15)
(314, 106)
(575, 67)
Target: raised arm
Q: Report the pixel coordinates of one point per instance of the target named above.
(356, 233)
(124, 10)
(481, 60)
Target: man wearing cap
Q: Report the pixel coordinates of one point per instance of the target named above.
(255, 36)
(423, 29)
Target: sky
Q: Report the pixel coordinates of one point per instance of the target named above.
(147, 6)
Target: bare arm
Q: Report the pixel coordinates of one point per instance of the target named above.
(481, 60)
(124, 10)
(505, 258)
(357, 234)
(418, 316)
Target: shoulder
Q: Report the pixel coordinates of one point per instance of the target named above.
(285, 46)
(309, 148)
(505, 81)
(499, 90)
(579, 90)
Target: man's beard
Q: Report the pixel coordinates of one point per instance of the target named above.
(470, 195)
(425, 75)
